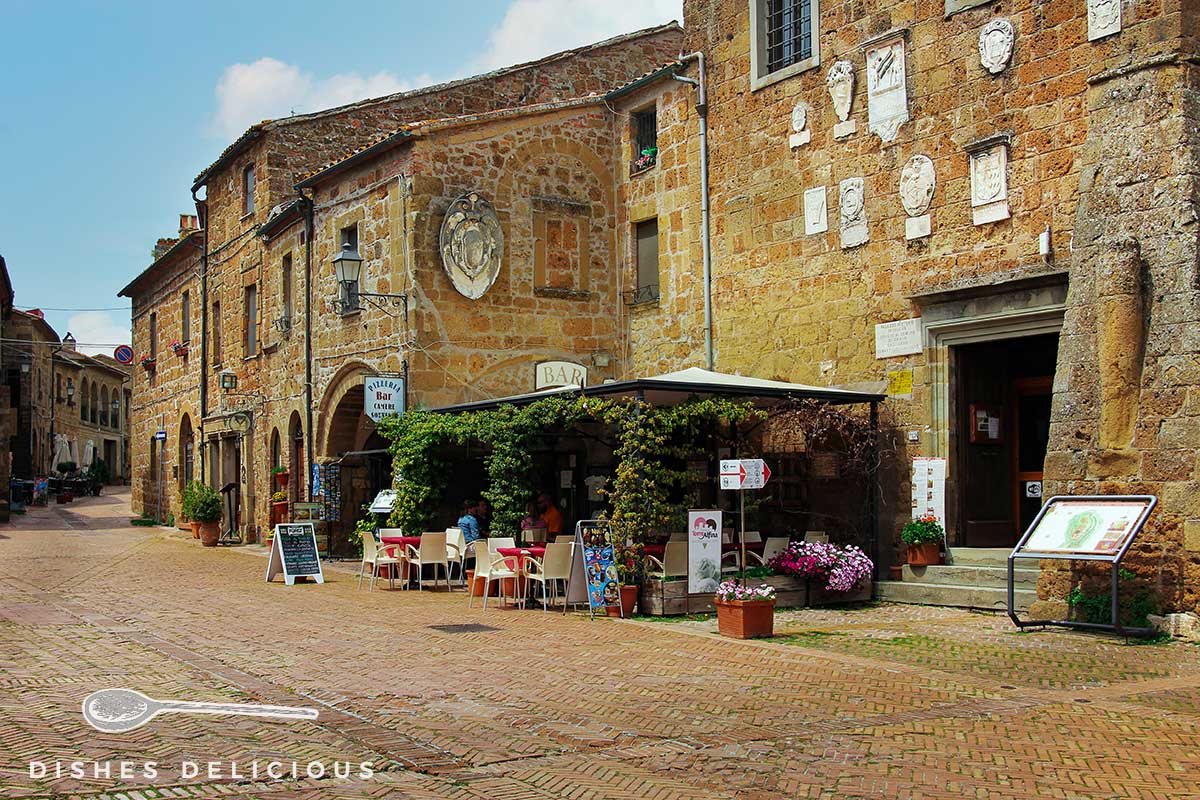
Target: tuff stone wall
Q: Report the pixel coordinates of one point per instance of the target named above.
(803, 308)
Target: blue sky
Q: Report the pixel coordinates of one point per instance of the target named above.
(110, 109)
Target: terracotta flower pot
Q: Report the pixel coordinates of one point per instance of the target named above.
(195, 529)
(282, 479)
(896, 572)
(210, 533)
(924, 555)
(746, 619)
(279, 512)
(629, 596)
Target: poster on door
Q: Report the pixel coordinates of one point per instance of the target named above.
(929, 488)
(704, 551)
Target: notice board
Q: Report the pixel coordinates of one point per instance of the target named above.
(294, 553)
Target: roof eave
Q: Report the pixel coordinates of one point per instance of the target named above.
(650, 77)
(381, 146)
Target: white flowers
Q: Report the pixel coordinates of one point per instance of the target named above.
(732, 590)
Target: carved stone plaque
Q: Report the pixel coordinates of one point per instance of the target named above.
(989, 183)
(800, 133)
(816, 216)
(996, 45)
(840, 82)
(1104, 18)
(853, 213)
(472, 245)
(917, 182)
(887, 89)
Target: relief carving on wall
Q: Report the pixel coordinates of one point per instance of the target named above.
(917, 182)
(816, 219)
(989, 181)
(887, 89)
(800, 133)
(840, 82)
(1104, 18)
(853, 213)
(996, 45)
(472, 245)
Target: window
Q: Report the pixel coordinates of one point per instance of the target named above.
(647, 261)
(153, 334)
(216, 332)
(248, 190)
(646, 139)
(250, 320)
(285, 290)
(185, 314)
(784, 39)
(83, 401)
(349, 292)
(94, 414)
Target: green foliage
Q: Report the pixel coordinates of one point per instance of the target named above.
(1136, 603)
(143, 522)
(65, 467)
(98, 471)
(170, 520)
(278, 470)
(363, 527)
(206, 503)
(188, 500)
(926, 530)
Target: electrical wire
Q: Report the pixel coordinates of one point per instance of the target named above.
(46, 308)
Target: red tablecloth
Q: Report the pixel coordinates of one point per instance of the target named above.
(656, 550)
(403, 541)
(522, 552)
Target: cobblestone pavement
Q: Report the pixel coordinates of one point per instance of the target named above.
(890, 701)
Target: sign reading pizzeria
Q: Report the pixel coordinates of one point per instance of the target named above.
(553, 374)
(383, 397)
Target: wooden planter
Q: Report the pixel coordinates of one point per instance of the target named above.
(670, 598)
(746, 619)
(924, 555)
(818, 595)
(210, 533)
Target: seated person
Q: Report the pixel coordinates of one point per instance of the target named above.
(552, 516)
(468, 522)
(532, 518)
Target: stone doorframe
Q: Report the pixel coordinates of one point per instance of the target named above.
(949, 320)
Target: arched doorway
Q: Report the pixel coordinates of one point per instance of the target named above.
(187, 451)
(296, 465)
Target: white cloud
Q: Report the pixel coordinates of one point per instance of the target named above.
(535, 28)
(270, 88)
(98, 328)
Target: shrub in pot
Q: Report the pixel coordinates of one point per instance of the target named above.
(924, 536)
(207, 511)
(745, 612)
(188, 506)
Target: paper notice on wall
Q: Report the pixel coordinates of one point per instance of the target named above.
(929, 488)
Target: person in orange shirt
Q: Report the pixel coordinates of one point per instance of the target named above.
(552, 516)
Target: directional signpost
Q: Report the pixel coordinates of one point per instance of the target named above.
(738, 474)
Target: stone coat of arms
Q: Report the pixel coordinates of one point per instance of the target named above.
(472, 245)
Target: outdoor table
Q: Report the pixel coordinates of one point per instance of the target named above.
(656, 550)
(520, 554)
(403, 542)
(736, 547)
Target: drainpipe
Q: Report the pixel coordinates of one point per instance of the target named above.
(702, 110)
(198, 436)
(307, 203)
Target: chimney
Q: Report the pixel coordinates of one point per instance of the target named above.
(161, 247)
(68, 342)
(187, 224)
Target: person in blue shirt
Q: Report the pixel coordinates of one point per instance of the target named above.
(468, 522)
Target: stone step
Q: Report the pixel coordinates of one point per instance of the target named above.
(934, 594)
(980, 556)
(958, 575)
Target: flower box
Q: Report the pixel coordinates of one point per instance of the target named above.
(924, 554)
(149, 364)
(660, 598)
(818, 595)
(746, 619)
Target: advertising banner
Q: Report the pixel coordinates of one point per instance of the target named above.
(599, 566)
(704, 551)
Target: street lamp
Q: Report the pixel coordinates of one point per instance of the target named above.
(347, 267)
(70, 392)
(228, 380)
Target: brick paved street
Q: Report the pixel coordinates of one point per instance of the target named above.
(891, 701)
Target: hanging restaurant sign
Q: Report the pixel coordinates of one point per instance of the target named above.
(383, 397)
(552, 374)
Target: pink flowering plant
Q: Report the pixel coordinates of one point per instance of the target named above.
(842, 567)
(732, 590)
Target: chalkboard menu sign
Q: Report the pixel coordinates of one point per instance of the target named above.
(294, 553)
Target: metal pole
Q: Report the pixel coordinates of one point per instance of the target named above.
(742, 497)
(162, 452)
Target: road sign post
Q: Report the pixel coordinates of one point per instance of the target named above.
(739, 474)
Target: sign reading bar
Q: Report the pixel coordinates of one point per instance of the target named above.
(900, 338)
(704, 551)
(746, 473)
(552, 374)
(294, 553)
(383, 397)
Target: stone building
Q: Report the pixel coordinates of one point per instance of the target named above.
(91, 417)
(9, 418)
(1005, 188)
(29, 367)
(287, 358)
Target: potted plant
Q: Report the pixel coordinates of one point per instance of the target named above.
(281, 476)
(179, 348)
(279, 507)
(631, 565)
(207, 511)
(149, 364)
(924, 536)
(745, 612)
(188, 507)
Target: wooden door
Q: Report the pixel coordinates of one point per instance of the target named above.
(1031, 435)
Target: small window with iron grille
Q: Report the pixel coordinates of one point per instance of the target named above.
(646, 253)
(784, 39)
(645, 140)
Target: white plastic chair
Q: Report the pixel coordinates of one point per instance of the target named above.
(753, 536)
(432, 551)
(816, 536)
(774, 546)
(554, 566)
(678, 536)
(490, 566)
(564, 537)
(377, 556)
(456, 550)
(674, 562)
